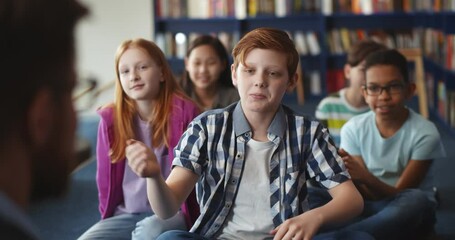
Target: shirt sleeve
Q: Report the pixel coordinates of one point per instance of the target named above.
(324, 163)
(428, 144)
(188, 152)
(103, 164)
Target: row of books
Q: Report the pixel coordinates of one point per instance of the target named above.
(340, 40)
(234, 8)
(241, 9)
(439, 47)
(435, 44)
(445, 99)
(176, 44)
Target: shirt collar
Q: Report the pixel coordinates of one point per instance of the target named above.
(277, 127)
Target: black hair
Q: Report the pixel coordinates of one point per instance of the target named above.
(389, 57)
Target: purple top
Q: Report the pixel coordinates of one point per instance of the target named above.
(110, 176)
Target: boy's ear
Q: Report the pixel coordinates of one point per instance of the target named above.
(292, 82)
(233, 76)
(40, 117)
(347, 71)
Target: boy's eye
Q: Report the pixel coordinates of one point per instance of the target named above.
(374, 88)
(274, 74)
(124, 71)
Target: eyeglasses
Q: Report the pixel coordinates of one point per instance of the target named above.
(375, 90)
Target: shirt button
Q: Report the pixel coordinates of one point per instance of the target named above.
(228, 205)
(233, 181)
(247, 135)
(239, 155)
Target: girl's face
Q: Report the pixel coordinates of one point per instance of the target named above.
(263, 80)
(204, 66)
(140, 76)
(386, 91)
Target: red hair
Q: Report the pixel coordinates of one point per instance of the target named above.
(125, 107)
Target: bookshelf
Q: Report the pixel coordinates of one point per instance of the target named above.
(327, 29)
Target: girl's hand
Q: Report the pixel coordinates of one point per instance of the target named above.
(302, 227)
(141, 159)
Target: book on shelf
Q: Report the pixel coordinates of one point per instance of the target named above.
(335, 80)
(181, 45)
(430, 84)
(300, 43)
(451, 101)
(442, 100)
(313, 43)
(315, 83)
(241, 9)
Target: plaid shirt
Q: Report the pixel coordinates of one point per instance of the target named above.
(214, 146)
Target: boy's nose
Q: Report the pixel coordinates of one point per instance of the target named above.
(260, 81)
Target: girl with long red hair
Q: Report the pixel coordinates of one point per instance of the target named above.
(149, 110)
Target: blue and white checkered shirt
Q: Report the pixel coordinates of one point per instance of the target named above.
(214, 146)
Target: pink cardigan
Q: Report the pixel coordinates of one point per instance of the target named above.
(109, 176)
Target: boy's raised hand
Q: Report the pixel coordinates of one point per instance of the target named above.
(141, 159)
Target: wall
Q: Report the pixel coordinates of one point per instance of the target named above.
(98, 36)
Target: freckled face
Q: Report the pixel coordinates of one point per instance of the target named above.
(263, 81)
(139, 74)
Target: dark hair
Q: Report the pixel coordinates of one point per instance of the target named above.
(390, 57)
(225, 77)
(36, 46)
(360, 50)
(267, 38)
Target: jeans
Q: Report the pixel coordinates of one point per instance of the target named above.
(335, 235)
(133, 226)
(406, 215)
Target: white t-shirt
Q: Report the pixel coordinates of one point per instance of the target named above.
(250, 217)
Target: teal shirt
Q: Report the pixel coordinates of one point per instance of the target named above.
(386, 158)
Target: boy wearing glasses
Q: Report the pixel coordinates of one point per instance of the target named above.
(336, 109)
(388, 153)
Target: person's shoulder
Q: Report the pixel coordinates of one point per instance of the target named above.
(106, 111)
(360, 120)
(183, 102)
(217, 113)
(333, 98)
(420, 123)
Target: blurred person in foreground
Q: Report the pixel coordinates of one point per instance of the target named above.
(38, 129)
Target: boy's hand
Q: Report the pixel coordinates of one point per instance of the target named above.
(356, 167)
(141, 159)
(302, 227)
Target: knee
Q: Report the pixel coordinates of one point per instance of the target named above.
(414, 198)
